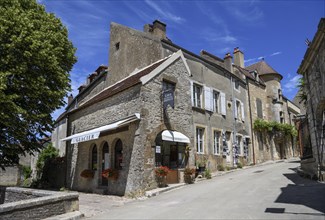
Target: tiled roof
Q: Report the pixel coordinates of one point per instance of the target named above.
(122, 85)
(262, 68)
(248, 74)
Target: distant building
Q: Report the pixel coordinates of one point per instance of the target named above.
(313, 70)
(160, 104)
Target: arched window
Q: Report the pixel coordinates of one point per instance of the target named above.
(94, 158)
(105, 156)
(118, 154)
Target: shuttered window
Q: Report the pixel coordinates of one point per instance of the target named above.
(259, 108)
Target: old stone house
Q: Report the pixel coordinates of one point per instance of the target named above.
(158, 104)
(312, 68)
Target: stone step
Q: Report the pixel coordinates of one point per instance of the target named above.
(76, 215)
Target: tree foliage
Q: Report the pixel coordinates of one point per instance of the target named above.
(35, 59)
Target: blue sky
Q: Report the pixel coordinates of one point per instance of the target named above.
(275, 30)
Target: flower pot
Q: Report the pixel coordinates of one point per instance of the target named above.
(161, 181)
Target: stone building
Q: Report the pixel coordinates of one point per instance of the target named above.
(157, 104)
(312, 68)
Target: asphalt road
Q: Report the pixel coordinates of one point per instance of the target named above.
(272, 191)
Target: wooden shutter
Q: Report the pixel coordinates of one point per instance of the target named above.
(207, 98)
(192, 95)
(242, 111)
(223, 103)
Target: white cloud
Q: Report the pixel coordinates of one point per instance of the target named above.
(292, 83)
(275, 53)
(164, 13)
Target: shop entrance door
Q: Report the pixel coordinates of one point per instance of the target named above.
(105, 162)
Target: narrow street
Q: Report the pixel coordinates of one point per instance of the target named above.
(272, 191)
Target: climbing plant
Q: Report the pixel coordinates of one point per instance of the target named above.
(274, 127)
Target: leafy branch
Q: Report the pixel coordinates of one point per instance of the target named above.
(275, 127)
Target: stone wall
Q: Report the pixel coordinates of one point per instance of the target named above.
(129, 50)
(105, 112)
(37, 204)
(153, 121)
(10, 176)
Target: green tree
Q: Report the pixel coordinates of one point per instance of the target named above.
(35, 59)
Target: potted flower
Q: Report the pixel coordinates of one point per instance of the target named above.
(110, 173)
(188, 175)
(161, 173)
(87, 173)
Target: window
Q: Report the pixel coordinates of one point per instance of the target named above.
(216, 142)
(236, 85)
(238, 110)
(239, 145)
(216, 101)
(197, 95)
(118, 154)
(259, 108)
(94, 158)
(280, 94)
(199, 140)
(281, 117)
(117, 46)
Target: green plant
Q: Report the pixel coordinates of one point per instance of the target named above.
(239, 165)
(161, 171)
(110, 173)
(48, 153)
(220, 167)
(201, 160)
(188, 175)
(27, 171)
(228, 168)
(207, 174)
(275, 127)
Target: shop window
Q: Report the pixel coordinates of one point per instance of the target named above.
(197, 95)
(94, 162)
(118, 155)
(200, 140)
(216, 142)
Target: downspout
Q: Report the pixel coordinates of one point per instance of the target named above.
(251, 117)
(234, 145)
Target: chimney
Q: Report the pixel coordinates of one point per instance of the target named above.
(70, 98)
(228, 62)
(81, 88)
(157, 28)
(238, 57)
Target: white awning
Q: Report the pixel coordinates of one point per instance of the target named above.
(174, 136)
(94, 133)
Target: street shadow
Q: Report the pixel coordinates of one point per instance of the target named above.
(303, 192)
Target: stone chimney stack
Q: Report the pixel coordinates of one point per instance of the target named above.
(70, 98)
(157, 28)
(228, 62)
(238, 57)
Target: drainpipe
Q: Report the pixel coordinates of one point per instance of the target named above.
(251, 117)
(234, 146)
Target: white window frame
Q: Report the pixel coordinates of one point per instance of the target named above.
(216, 103)
(216, 143)
(238, 113)
(195, 95)
(236, 82)
(200, 135)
